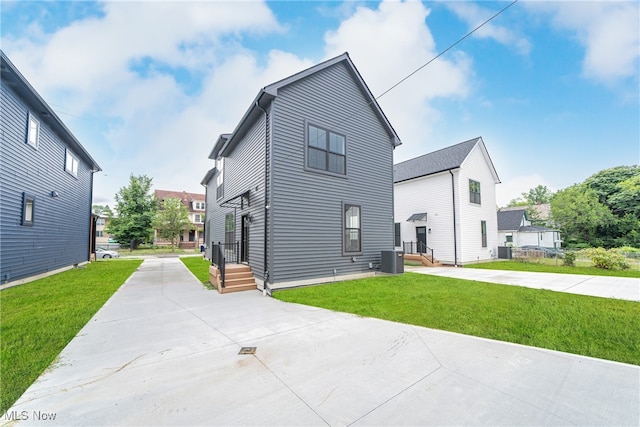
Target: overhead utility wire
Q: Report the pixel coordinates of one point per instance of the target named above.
(447, 49)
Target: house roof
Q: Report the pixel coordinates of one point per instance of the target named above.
(534, 229)
(226, 142)
(184, 197)
(207, 177)
(543, 209)
(442, 160)
(19, 84)
(510, 220)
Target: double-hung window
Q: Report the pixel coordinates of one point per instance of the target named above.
(33, 131)
(474, 192)
(28, 209)
(352, 229)
(326, 150)
(71, 164)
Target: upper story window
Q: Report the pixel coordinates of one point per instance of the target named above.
(33, 132)
(220, 178)
(100, 221)
(199, 206)
(474, 192)
(71, 164)
(197, 218)
(326, 150)
(28, 209)
(352, 232)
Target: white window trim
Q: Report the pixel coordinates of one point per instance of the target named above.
(71, 163)
(33, 131)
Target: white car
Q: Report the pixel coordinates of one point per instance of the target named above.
(104, 253)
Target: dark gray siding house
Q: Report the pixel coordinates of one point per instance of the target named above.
(304, 183)
(46, 182)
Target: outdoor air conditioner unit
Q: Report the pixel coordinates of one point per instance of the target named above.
(392, 262)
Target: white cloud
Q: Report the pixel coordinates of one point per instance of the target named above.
(387, 44)
(608, 30)
(475, 15)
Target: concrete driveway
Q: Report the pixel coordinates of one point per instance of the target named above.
(600, 286)
(164, 351)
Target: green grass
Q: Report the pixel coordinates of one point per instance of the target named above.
(38, 319)
(198, 266)
(546, 268)
(590, 326)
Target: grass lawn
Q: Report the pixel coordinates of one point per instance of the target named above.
(590, 326)
(546, 268)
(198, 266)
(38, 319)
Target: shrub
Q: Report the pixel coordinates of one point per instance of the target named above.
(570, 259)
(606, 259)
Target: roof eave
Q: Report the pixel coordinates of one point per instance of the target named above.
(8, 72)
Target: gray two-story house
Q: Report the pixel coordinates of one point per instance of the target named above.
(46, 184)
(302, 189)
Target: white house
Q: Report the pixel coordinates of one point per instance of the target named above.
(445, 201)
(515, 229)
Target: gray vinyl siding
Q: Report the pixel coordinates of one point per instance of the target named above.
(59, 236)
(307, 206)
(243, 170)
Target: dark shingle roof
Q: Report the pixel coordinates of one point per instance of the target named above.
(535, 229)
(437, 161)
(510, 220)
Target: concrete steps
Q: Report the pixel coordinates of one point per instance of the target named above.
(238, 277)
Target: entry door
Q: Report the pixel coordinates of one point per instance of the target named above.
(244, 239)
(421, 236)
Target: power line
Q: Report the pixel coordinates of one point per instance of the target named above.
(447, 49)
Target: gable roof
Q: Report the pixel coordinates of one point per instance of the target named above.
(269, 93)
(184, 197)
(510, 220)
(12, 77)
(442, 160)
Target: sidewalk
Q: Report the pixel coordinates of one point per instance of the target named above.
(600, 286)
(164, 351)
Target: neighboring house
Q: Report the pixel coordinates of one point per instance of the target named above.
(515, 229)
(542, 213)
(195, 204)
(304, 184)
(445, 201)
(102, 238)
(46, 185)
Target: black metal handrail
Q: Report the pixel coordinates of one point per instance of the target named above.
(221, 253)
(417, 248)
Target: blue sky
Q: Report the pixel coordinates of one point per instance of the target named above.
(552, 87)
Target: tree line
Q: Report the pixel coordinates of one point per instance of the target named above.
(601, 211)
(138, 213)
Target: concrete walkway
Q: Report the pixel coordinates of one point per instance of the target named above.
(164, 351)
(600, 286)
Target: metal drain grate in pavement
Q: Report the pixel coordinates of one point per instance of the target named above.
(247, 350)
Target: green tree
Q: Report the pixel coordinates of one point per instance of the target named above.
(580, 215)
(606, 182)
(102, 210)
(171, 219)
(136, 208)
(626, 198)
(535, 196)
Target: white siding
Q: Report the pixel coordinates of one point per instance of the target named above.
(476, 167)
(431, 194)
